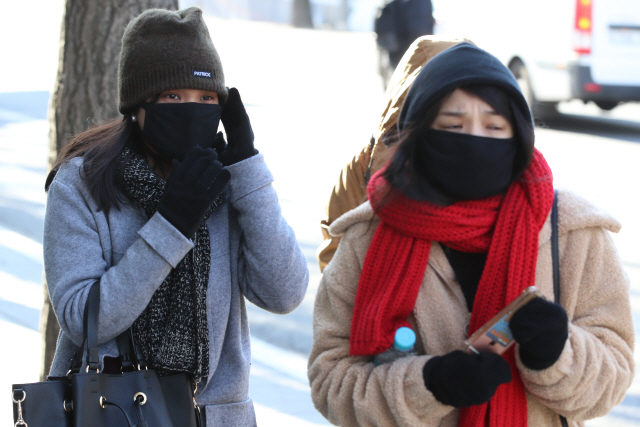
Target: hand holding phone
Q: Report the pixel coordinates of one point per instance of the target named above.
(495, 336)
(541, 328)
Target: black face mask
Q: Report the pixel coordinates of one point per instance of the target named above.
(468, 167)
(173, 129)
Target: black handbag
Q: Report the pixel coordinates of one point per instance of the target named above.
(137, 397)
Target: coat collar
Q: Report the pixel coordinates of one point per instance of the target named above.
(574, 213)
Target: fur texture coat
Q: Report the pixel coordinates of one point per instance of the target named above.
(591, 376)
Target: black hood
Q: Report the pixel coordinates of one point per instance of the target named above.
(460, 65)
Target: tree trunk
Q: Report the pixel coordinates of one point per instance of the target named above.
(85, 91)
(301, 17)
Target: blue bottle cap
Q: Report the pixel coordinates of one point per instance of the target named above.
(404, 339)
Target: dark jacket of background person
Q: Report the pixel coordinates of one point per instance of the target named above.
(399, 23)
(351, 189)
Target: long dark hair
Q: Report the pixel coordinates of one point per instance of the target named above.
(404, 171)
(100, 148)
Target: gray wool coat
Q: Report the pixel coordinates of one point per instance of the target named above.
(254, 255)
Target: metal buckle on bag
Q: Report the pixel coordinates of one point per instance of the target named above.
(20, 421)
(140, 395)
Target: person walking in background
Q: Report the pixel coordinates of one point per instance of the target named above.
(457, 225)
(397, 24)
(178, 226)
(351, 189)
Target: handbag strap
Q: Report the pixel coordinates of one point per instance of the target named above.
(91, 315)
(555, 259)
(89, 333)
(127, 358)
(131, 355)
(138, 355)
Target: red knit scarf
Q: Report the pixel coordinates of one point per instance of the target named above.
(505, 226)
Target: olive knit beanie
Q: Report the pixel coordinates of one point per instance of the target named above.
(164, 50)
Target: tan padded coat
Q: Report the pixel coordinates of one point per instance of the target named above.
(351, 189)
(592, 375)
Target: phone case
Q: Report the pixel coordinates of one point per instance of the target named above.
(495, 335)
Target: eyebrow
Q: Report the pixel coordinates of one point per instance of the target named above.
(460, 114)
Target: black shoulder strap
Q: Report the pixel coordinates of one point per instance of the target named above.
(555, 259)
(555, 255)
(126, 355)
(91, 313)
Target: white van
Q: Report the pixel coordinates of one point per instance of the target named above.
(558, 50)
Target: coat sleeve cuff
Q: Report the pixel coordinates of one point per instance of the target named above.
(419, 400)
(248, 176)
(165, 239)
(551, 375)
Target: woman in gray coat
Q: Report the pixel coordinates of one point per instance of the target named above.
(177, 225)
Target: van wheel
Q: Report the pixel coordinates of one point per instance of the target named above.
(538, 109)
(606, 105)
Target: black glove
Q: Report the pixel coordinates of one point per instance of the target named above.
(219, 144)
(238, 128)
(541, 328)
(191, 188)
(461, 379)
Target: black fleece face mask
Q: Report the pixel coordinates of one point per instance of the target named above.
(468, 167)
(173, 129)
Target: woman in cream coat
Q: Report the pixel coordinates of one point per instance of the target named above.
(572, 360)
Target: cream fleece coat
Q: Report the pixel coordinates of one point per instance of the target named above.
(591, 376)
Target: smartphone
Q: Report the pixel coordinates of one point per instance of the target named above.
(495, 335)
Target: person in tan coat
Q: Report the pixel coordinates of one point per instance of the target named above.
(456, 226)
(351, 189)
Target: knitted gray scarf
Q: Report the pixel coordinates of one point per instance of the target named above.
(172, 331)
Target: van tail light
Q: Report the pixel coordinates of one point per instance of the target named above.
(592, 87)
(583, 27)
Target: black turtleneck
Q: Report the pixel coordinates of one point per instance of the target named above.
(468, 269)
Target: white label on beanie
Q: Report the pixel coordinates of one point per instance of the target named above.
(202, 74)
